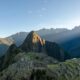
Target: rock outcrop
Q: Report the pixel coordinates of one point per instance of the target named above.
(35, 43)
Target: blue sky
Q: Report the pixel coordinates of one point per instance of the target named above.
(27, 15)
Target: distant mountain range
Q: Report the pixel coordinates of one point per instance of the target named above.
(38, 59)
(69, 40)
(18, 38)
(34, 43)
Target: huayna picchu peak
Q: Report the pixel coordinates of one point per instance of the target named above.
(37, 59)
(35, 43)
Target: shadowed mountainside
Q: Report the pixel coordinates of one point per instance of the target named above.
(37, 59)
(4, 45)
(67, 39)
(34, 43)
(38, 66)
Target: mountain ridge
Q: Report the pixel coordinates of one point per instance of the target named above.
(67, 39)
(38, 59)
(4, 45)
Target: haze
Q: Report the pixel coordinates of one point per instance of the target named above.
(27, 15)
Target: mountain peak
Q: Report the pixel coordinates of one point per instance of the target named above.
(33, 42)
(32, 32)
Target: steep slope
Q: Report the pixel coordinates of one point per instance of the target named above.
(37, 59)
(17, 65)
(4, 45)
(53, 49)
(72, 45)
(68, 39)
(7, 58)
(21, 36)
(33, 66)
(18, 38)
(34, 43)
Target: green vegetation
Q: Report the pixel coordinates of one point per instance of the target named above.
(39, 66)
(37, 62)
